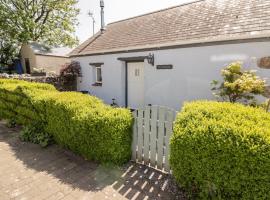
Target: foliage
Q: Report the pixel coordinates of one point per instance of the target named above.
(49, 21)
(238, 85)
(71, 69)
(68, 75)
(222, 150)
(81, 123)
(19, 84)
(11, 123)
(8, 49)
(36, 134)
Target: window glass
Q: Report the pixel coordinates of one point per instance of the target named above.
(98, 74)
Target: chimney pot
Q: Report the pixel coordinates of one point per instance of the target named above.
(101, 3)
(102, 16)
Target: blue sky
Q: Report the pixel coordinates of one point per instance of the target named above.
(116, 10)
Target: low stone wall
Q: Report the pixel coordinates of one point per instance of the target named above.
(54, 80)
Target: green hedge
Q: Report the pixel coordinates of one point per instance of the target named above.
(81, 123)
(222, 151)
(16, 98)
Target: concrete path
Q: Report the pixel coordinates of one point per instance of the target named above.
(28, 171)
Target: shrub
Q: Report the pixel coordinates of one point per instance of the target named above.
(11, 123)
(71, 69)
(36, 134)
(16, 100)
(81, 123)
(222, 150)
(238, 85)
(69, 74)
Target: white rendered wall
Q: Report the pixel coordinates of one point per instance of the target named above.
(193, 70)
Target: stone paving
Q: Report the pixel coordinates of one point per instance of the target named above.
(28, 171)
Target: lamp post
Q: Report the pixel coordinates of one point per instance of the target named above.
(91, 15)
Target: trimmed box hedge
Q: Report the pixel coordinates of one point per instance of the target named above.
(81, 123)
(222, 150)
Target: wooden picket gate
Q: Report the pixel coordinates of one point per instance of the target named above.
(151, 136)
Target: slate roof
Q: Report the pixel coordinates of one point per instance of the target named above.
(197, 22)
(41, 49)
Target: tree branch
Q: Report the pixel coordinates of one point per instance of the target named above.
(41, 14)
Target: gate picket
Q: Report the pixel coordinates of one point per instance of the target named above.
(161, 121)
(146, 132)
(135, 136)
(169, 130)
(140, 135)
(153, 146)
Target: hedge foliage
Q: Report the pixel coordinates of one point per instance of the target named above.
(81, 123)
(222, 151)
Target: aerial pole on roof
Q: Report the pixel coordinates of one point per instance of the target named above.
(91, 15)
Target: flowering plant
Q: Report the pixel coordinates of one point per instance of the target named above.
(71, 69)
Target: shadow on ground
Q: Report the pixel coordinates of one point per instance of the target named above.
(132, 181)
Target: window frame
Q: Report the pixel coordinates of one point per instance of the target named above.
(95, 66)
(96, 74)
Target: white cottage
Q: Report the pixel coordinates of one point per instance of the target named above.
(170, 56)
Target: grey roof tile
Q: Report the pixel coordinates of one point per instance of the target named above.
(206, 20)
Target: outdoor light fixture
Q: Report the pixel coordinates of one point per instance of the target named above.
(151, 59)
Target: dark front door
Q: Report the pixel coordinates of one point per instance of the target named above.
(27, 66)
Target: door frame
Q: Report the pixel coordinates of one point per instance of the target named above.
(130, 60)
(127, 70)
(27, 65)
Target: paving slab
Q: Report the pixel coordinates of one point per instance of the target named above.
(29, 172)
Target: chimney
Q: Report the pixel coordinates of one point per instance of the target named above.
(102, 16)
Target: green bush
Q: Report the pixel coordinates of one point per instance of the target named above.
(16, 100)
(222, 151)
(81, 123)
(36, 134)
(11, 123)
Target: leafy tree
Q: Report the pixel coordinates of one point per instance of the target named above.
(238, 85)
(48, 21)
(8, 50)
(51, 22)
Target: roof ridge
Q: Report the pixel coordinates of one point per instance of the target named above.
(92, 39)
(85, 44)
(157, 11)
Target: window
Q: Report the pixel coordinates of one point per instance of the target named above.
(98, 74)
(137, 72)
